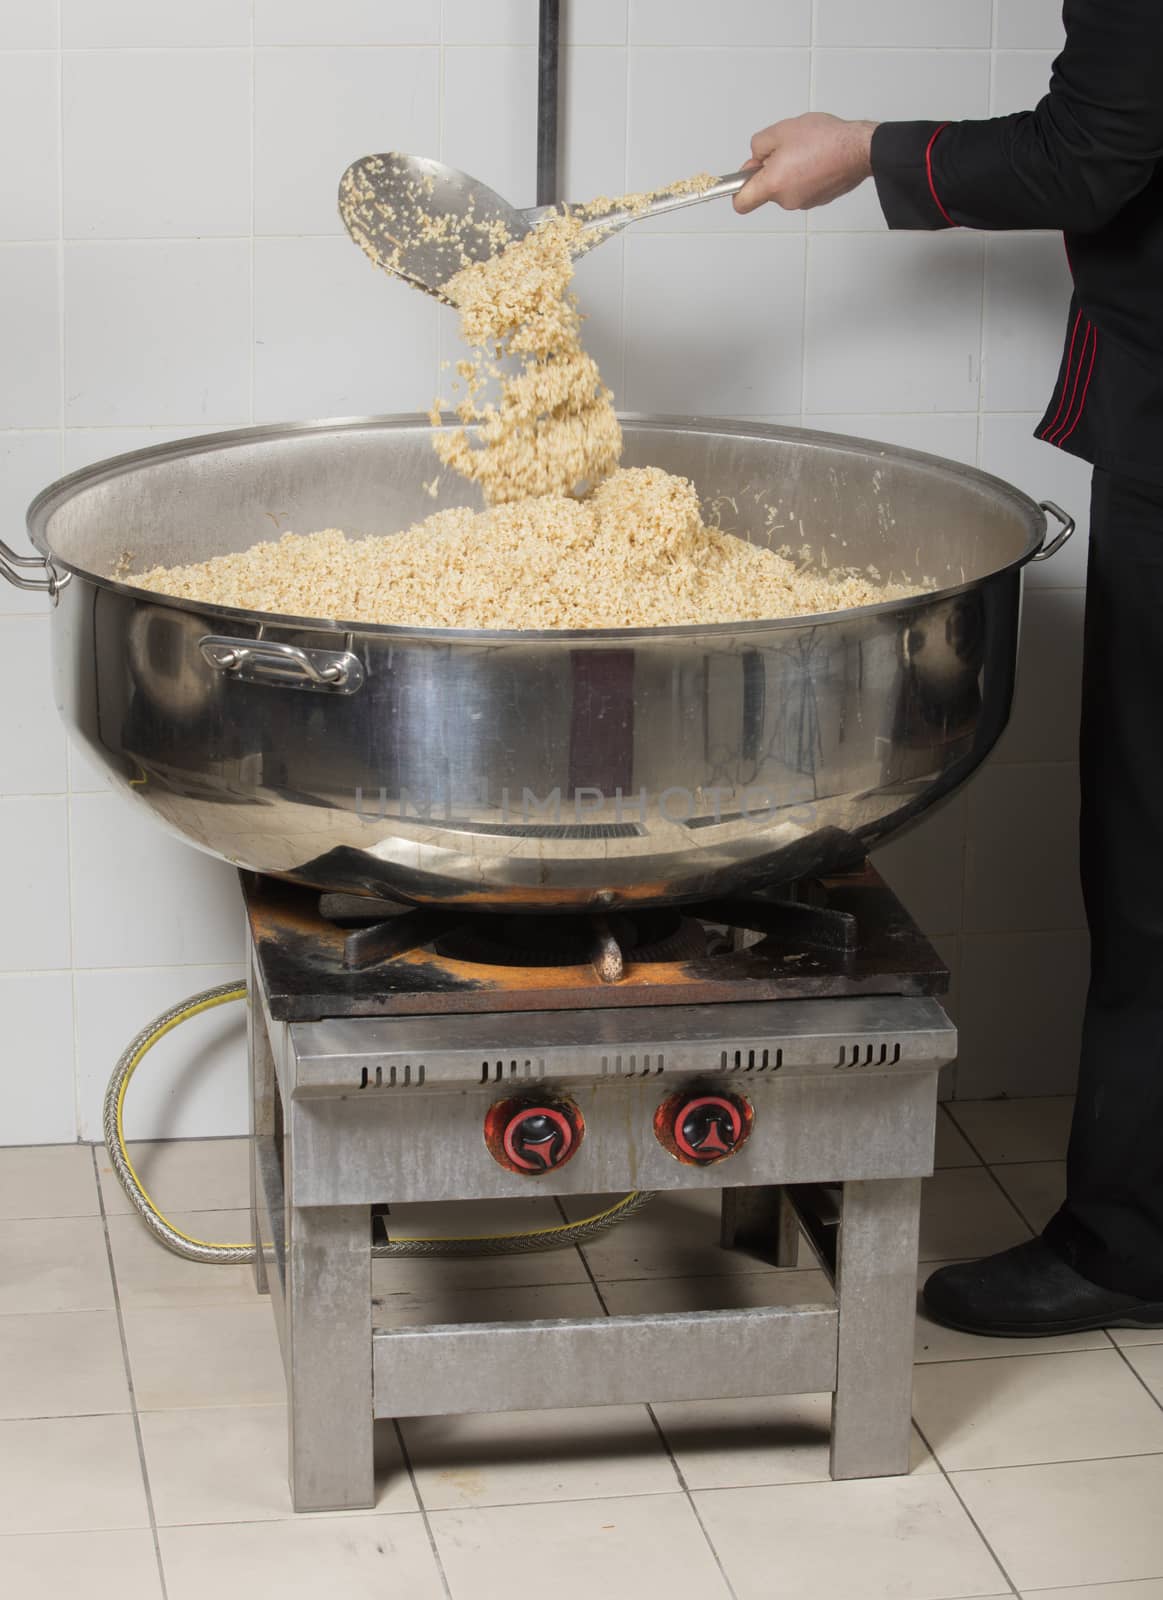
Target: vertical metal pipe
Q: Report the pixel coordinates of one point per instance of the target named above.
(548, 43)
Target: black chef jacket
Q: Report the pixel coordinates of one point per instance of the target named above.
(1087, 160)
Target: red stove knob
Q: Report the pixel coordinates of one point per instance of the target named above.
(530, 1137)
(702, 1128)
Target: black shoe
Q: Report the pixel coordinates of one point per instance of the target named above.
(1027, 1293)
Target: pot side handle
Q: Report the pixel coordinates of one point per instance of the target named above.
(1059, 539)
(269, 661)
(18, 570)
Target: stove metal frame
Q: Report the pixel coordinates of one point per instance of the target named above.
(350, 1113)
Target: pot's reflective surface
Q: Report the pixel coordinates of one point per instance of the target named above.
(538, 770)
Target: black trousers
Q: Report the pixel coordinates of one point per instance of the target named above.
(1111, 1226)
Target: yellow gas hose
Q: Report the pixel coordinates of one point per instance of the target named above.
(183, 1244)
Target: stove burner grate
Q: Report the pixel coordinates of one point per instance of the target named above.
(349, 955)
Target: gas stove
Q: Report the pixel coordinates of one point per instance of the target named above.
(782, 1050)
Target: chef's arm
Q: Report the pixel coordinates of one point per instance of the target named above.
(1071, 164)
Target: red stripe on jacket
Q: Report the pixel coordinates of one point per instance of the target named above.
(1050, 426)
(1052, 437)
(929, 174)
(1085, 388)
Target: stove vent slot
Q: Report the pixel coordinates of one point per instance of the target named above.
(512, 1070)
(405, 1077)
(647, 1065)
(885, 1054)
(754, 1060)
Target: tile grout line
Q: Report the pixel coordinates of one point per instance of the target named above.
(251, 252)
(385, 45)
(61, 436)
(134, 1413)
(1134, 1370)
(411, 1471)
(1001, 1189)
(662, 1439)
(807, 231)
(1035, 1232)
(977, 1528)
(690, 1499)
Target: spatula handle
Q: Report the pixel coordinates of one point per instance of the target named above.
(722, 187)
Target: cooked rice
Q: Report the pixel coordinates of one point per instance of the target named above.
(634, 553)
(568, 540)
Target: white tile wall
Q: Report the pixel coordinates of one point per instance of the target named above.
(332, 338)
(119, 858)
(30, 394)
(954, 24)
(29, 25)
(315, 110)
(597, 22)
(32, 738)
(498, 149)
(1030, 25)
(139, 24)
(190, 174)
(1019, 875)
(1044, 723)
(891, 318)
(198, 278)
(1021, 997)
(37, 1012)
(736, 91)
(193, 1082)
(680, 358)
(35, 931)
(501, 22)
(1020, 79)
(158, 329)
(727, 22)
(30, 129)
(593, 147)
(346, 22)
(1027, 289)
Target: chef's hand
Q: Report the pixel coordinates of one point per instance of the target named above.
(806, 161)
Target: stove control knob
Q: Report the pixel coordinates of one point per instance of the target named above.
(532, 1137)
(703, 1128)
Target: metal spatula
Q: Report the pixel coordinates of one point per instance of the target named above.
(421, 220)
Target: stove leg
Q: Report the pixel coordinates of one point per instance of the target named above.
(329, 1365)
(262, 1117)
(876, 1292)
(762, 1221)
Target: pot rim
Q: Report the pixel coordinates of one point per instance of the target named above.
(56, 494)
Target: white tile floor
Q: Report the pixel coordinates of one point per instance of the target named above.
(142, 1432)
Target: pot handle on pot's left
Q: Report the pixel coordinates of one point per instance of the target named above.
(1059, 539)
(16, 569)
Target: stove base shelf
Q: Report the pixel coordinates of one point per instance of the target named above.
(595, 1361)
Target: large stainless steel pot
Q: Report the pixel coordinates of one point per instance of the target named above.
(534, 770)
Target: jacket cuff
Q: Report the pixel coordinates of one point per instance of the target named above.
(902, 167)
